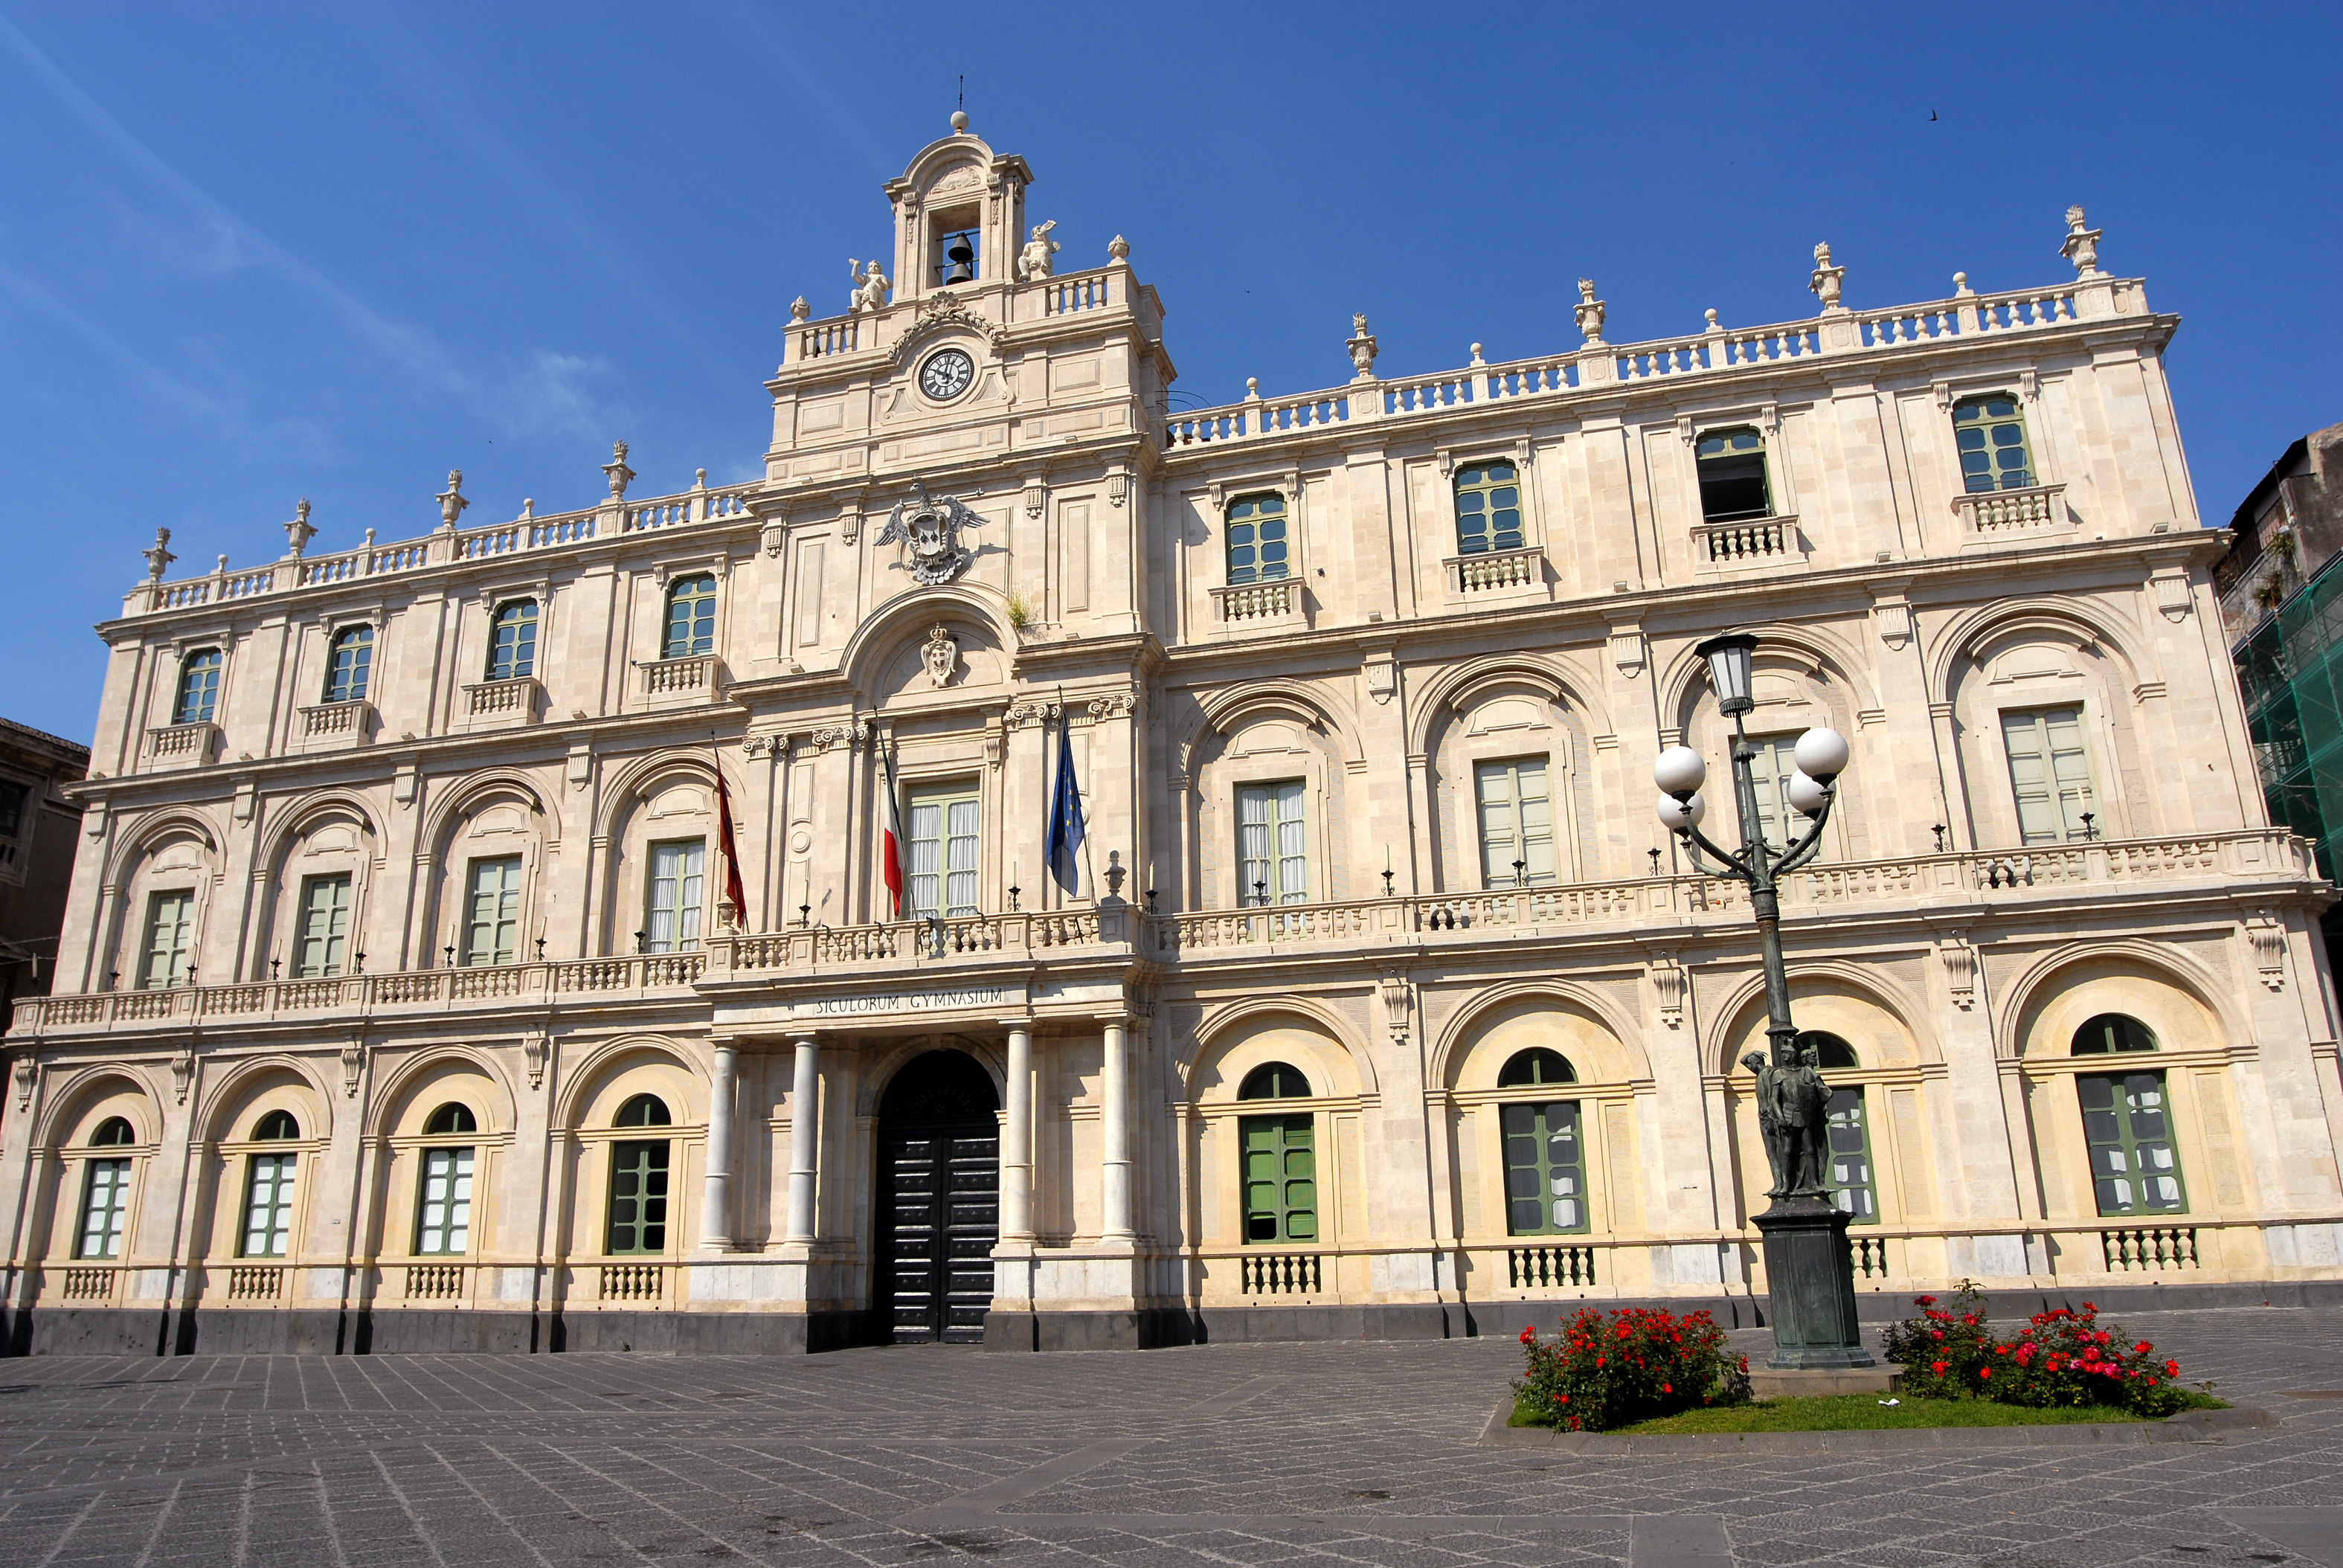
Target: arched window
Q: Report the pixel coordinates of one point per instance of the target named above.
(2111, 1033)
(643, 1111)
(443, 1206)
(268, 1190)
(512, 641)
(105, 1193)
(638, 1175)
(1257, 541)
(346, 671)
(1831, 1052)
(690, 617)
(199, 679)
(1732, 465)
(1273, 1080)
(1488, 508)
(1280, 1170)
(1853, 1175)
(1535, 1065)
(1990, 432)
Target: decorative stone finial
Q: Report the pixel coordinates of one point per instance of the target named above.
(1115, 873)
(452, 499)
(960, 122)
(1033, 262)
(1710, 317)
(159, 556)
(1117, 250)
(1361, 345)
(699, 478)
(2082, 246)
(299, 533)
(799, 310)
(1589, 312)
(1477, 361)
(1961, 289)
(1252, 389)
(616, 471)
(1828, 280)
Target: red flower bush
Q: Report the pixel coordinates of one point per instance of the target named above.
(1640, 1363)
(2059, 1358)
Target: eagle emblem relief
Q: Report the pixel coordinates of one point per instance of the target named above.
(931, 528)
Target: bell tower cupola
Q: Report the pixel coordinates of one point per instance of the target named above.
(960, 215)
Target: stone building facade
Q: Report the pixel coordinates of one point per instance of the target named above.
(407, 1002)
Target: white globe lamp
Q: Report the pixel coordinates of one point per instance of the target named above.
(1679, 816)
(1807, 794)
(1679, 771)
(1821, 753)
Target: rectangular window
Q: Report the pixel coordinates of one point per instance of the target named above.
(324, 927)
(353, 657)
(1256, 539)
(1770, 768)
(943, 850)
(1273, 849)
(1991, 435)
(492, 911)
(443, 1213)
(1546, 1168)
(105, 1198)
(674, 896)
(170, 923)
(13, 797)
(2127, 1125)
(2050, 773)
(268, 1206)
(1732, 469)
(1853, 1181)
(1516, 823)
(1281, 1178)
(512, 652)
(199, 681)
(639, 1198)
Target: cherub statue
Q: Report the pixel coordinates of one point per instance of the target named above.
(1033, 261)
(871, 288)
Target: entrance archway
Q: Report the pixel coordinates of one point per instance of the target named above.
(939, 1200)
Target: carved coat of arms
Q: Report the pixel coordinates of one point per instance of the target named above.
(932, 530)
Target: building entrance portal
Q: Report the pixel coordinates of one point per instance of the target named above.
(939, 1200)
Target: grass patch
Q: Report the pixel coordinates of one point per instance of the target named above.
(1864, 1413)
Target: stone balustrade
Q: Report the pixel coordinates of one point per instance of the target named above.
(692, 676)
(1746, 542)
(1495, 575)
(1598, 367)
(1991, 515)
(700, 504)
(1999, 878)
(1248, 606)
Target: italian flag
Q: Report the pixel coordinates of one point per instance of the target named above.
(891, 855)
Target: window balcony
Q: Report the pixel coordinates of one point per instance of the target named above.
(500, 704)
(334, 725)
(1993, 518)
(678, 682)
(1242, 609)
(172, 746)
(1750, 545)
(1496, 578)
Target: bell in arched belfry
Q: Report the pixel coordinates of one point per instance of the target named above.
(961, 256)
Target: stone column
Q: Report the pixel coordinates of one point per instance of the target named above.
(805, 1141)
(716, 1185)
(1016, 1138)
(1114, 1147)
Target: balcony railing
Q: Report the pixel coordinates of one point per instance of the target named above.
(1497, 575)
(2001, 878)
(1746, 542)
(1993, 515)
(1248, 606)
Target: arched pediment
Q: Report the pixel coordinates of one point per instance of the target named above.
(1990, 632)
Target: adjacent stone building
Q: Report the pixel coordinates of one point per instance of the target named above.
(37, 840)
(411, 999)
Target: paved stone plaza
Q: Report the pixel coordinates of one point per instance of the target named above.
(1321, 1452)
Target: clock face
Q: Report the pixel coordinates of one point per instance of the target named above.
(947, 374)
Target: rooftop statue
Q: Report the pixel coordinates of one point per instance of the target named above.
(1033, 261)
(871, 285)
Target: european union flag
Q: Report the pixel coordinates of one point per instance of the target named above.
(1065, 834)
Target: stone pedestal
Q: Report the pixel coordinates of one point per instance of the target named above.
(1810, 1286)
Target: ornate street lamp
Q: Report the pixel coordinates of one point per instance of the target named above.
(1809, 1274)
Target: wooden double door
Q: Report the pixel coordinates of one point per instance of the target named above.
(939, 1200)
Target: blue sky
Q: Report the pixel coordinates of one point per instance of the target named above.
(252, 254)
